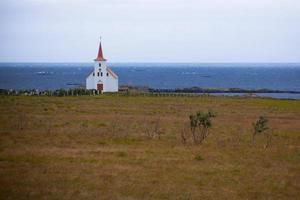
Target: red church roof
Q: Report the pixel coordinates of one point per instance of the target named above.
(100, 54)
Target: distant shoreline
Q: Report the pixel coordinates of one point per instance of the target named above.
(273, 94)
(222, 90)
(196, 90)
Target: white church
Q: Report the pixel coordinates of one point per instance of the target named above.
(102, 78)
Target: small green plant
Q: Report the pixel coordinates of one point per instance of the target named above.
(260, 126)
(199, 157)
(200, 123)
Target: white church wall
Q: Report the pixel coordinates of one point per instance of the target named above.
(111, 84)
(90, 84)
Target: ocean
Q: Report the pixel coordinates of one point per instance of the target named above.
(44, 76)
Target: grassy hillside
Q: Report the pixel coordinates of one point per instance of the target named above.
(99, 147)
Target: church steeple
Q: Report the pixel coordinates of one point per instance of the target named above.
(100, 54)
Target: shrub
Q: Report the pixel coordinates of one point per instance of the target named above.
(260, 126)
(199, 157)
(200, 123)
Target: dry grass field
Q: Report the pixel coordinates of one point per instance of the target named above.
(98, 147)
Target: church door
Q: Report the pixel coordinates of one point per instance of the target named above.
(100, 86)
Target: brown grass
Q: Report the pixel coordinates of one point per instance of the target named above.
(98, 148)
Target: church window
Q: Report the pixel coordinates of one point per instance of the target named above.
(98, 73)
(101, 74)
(99, 64)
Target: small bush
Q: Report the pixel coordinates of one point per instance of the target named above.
(261, 127)
(200, 123)
(199, 158)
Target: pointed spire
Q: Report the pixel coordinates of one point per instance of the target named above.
(100, 53)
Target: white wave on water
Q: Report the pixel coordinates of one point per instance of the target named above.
(196, 73)
(189, 73)
(44, 73)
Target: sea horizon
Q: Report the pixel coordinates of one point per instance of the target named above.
(159, 64)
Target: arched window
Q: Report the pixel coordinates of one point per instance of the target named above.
(99, 64)
(98, 73)
(107, 74)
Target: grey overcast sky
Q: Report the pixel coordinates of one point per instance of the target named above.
(150, 30)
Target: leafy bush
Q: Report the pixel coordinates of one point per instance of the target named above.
(200, 123)
(261, 127)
